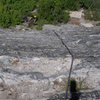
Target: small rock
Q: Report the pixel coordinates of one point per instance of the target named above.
(87, 24)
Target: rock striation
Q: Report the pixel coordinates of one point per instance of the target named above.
(35, 64)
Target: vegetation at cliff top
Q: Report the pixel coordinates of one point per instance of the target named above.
(93, 13)
(12, 11)
(48, 11)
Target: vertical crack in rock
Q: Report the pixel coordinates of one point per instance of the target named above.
(72, 60)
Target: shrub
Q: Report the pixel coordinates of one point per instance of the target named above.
(72, 4)
(40, 24)
(76, 4)
(52, 11)
(5, 19)
(86, 3)
(12, 11)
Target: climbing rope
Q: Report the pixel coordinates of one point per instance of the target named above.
(72, 60)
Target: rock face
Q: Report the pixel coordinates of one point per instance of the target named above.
(34, 64)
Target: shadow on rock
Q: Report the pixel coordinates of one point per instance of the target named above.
(73, 90)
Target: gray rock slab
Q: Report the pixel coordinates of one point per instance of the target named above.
(32, 61)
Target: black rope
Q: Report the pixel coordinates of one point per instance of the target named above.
(72, 60)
